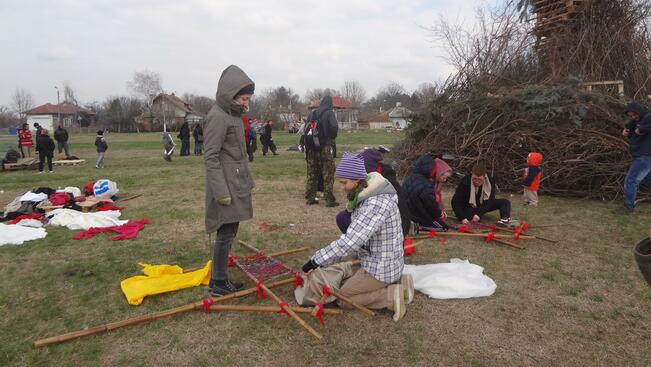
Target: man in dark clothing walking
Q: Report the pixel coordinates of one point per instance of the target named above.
(267, 140)
(638, 132)
(475, 196)
(184, 135)
(320, 133)
(61, 136)
(45, 147)
(197, 132)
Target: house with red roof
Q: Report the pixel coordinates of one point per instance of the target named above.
(344, 110)
(49, 116)
(169, 110)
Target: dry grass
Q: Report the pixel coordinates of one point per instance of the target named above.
(578, 302)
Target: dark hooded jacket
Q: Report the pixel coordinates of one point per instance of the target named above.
(184, 132)
(421, 196)
(45, 145)
(640, 145)
(328, 126)
(461, 198)
(226, 161)
(61, 135)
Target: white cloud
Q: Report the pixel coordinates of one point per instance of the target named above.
(97, 45)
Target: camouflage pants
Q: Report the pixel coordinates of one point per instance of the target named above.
(320, 163)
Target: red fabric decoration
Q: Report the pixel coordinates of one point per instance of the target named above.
(283, 304)
(432, 233)
(125, 232)
(107, 207)
(59, 198)
(463, 229)
(230, 261)
(408, 242)
(207, 302)
(326, 291)
(378, 168)
(524, 226)
(516, 236)
(261, 292)
(26, 216)
(489, 237)
(493, 228)
(298, 281)
(319, 313)
(88, 189)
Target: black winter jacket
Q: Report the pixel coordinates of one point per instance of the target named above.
(45, 145)
(61, 135)
(419, 189)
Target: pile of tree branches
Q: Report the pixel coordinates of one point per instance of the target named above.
(578, 132)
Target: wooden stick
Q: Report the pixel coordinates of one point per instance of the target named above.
(457, 234)
(151, 316)
(278, 299)
(273, 254)
(508, 243)
(328, 311)
(131, 198)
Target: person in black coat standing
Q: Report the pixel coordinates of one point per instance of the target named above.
(267, 140)
(61, 136)
(184, 135)
(45, 147)
(475, 196)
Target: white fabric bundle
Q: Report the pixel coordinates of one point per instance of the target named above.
(34, 223)
(72, 190)
(11, 234)
(456, 279)
(36, 198)
(77, 220)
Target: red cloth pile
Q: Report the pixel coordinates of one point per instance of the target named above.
(88, 189)
(60, 198)
(26, 216)
(125, 232)
(107, 207)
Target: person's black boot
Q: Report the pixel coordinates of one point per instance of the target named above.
(223, 287)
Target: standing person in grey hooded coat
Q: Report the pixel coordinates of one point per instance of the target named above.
(228, 180)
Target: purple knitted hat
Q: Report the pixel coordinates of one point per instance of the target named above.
(371, 159)
(351, 167)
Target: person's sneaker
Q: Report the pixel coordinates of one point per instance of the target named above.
(51, 171)
(40, 172)
(223, 287)
(397, 302)
(407, 282)
(332, 204)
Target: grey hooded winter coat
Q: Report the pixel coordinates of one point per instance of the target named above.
(227, 170)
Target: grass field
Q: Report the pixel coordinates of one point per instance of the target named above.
(580, 301)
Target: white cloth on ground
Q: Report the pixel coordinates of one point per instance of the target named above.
(11, 234)
(456, 279)
(77, 220)
(71, 189)
(34, 223)
(35, 198)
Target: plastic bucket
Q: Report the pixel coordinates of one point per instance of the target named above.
(642, 253)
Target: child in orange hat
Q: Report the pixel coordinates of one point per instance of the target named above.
(531, 179)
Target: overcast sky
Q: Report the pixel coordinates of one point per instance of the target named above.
(97, 45)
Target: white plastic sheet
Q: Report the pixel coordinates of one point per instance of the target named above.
(456, 279)
(11, 234)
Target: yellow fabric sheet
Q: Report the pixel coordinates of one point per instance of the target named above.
(162, 279)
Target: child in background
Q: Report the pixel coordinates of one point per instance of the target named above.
(102, 146)
(531, 179)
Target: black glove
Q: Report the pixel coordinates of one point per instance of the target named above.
(309, 266)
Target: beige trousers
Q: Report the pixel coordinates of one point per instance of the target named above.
(531, 197)
(364, 289)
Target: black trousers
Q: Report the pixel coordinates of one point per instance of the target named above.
(225, 235)
(41, 161)
(503, 205)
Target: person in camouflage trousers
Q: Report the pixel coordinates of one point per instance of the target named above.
(320, 133)
(320, 163)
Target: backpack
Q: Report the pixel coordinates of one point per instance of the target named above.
(11, 156)
(312, 139)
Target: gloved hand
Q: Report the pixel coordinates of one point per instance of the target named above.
(226, 200)
(309, 266)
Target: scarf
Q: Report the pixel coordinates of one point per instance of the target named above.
(440, 169)
(486, 192)
(352, 204)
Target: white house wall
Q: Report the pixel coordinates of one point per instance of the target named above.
(46, 121)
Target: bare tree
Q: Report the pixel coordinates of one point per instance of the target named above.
(69, 94)
(22, 101)
(146, 85)
(423, 95)
(7, 117)
(120, 113)
(353, 91)
(318, 93)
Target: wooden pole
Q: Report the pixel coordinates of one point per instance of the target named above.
(351, 302)
(328, 311)
(151, 316)
(457, 234)
(131, 198)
